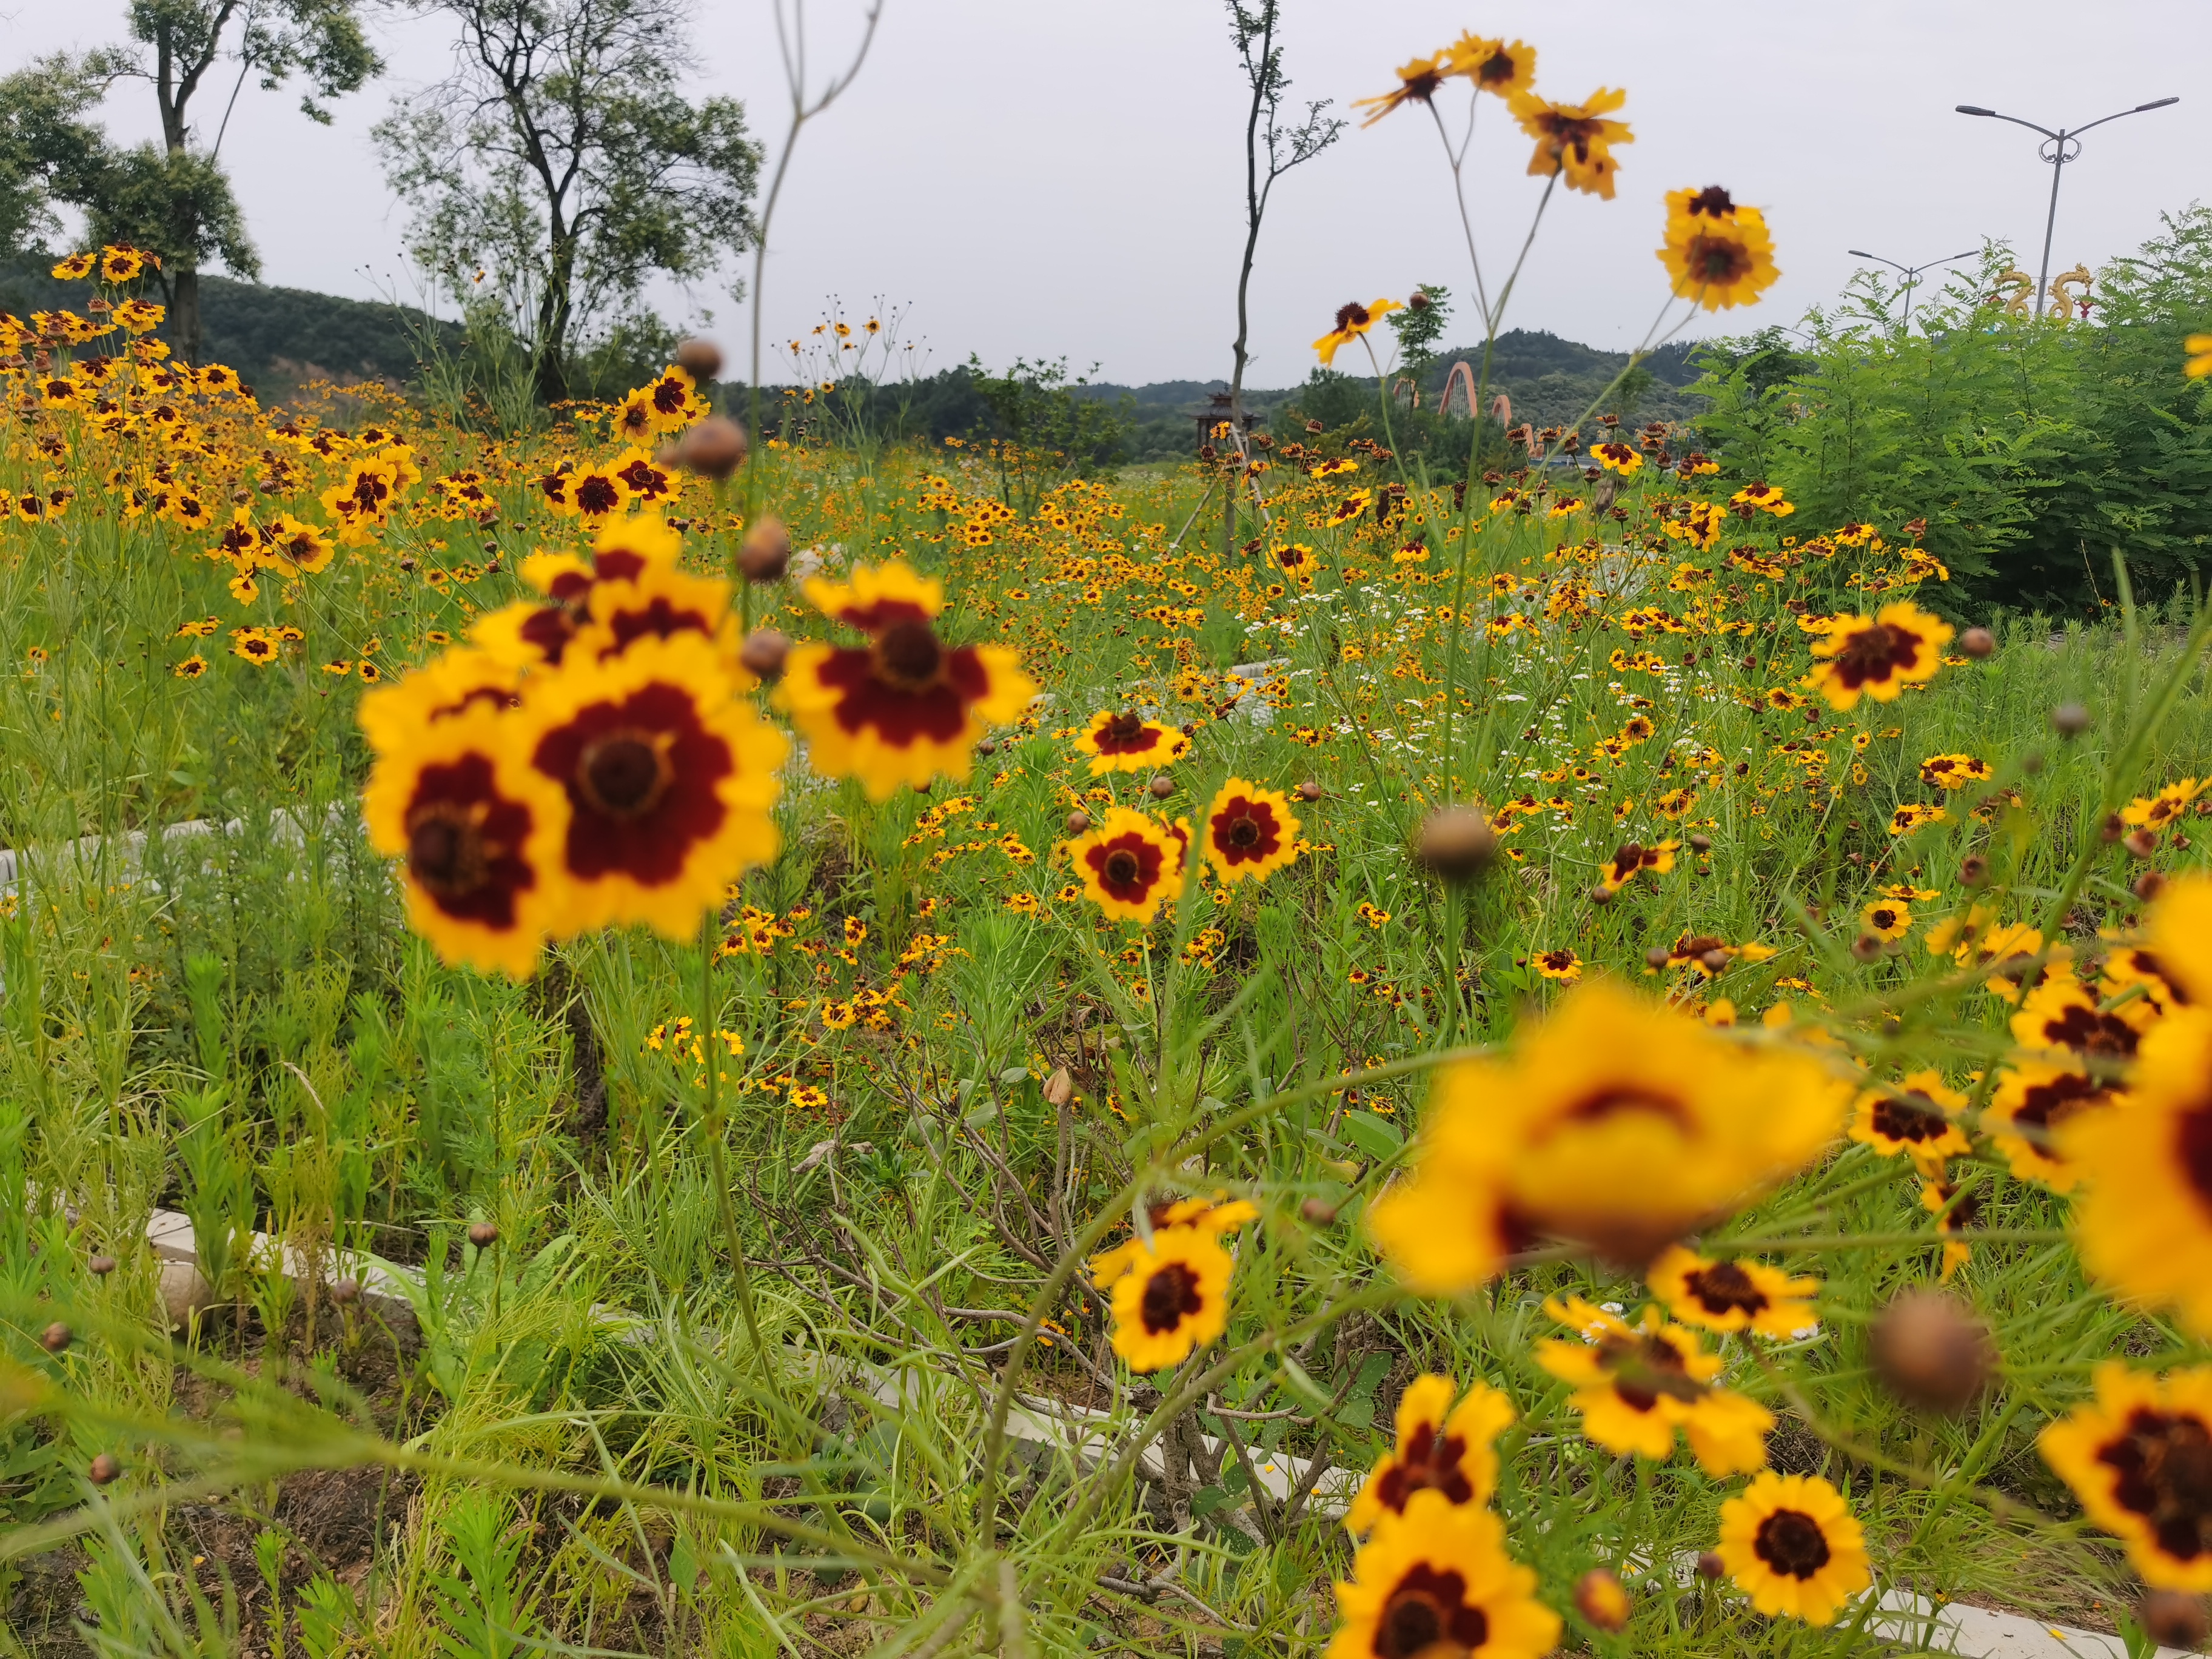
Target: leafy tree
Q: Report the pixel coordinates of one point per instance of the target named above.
(173, 198)
(559, 167)
(2032, 449)
(1043, 430)
(1419, 326)
(46, 147)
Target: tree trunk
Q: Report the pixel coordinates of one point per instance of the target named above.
(551, 345)
(184, 313)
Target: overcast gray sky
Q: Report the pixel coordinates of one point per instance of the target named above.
(1036, 177)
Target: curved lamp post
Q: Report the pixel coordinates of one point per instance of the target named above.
(2057, 149)
(1911, 272)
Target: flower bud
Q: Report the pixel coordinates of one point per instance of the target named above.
(2070, 719)
(765, 552)
(483, 1235)
(1059, 1088)
(1077, 823)
(714, 449)
(1317, 1212)
(1163, 787)
(103, 1469)
(1601, 894)
(2172, 1618)
(2141, 843)
(1310, 791)
(55, 1337)
(2148, 885)
(1933, 1350)
(1603, 1599)
(763, 654)
(101, 1266)
(1711, 1566)
(2113, 828)
(1715, 960)
(1656, 958)
(1973, 870)
(1977, 643)
(1701, 845)
(699, 358)
(345, 1291)
(1866, 948)
(1457, 843)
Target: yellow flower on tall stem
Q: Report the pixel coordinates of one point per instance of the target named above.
(1616, 1123)
(1717, 250)
(1575, 141)
(1128, 864)
(1877, 656)
(1250, 832)
(1417, 83)
(481, 834)
(2199, 363)
(1503, 67)
(1731, 1296)
(906, 706)
(1792, 1543)
(2138, 1456)
(1442, 1448)
(670, 778)
(1917, 1118)
(1172, 1300)
(1636, 1384)
(1125, 741)
(1437, 1581)
(1353, 320)
(2144, 1224)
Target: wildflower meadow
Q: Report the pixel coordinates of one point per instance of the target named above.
(688, 1025)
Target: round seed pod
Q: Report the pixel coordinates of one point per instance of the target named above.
(763, 654)
(1457, 843)
(1977, 643)
(55, 1337)
(1077, 823)
(715, 448)
(1933, 1350)
(103, 1469)
(702, 359)
(2070, 719)
(483, 1234)
(765, 554)
(1163, 787)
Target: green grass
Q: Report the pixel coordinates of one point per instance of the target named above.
(582, 1450)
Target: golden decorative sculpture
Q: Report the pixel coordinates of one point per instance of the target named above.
(2012, 291)
(2062, 303)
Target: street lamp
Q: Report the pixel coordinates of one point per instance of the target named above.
(1911, 272)
(2054, 149)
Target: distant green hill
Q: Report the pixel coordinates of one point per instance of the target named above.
(276, 338)
(279, 338)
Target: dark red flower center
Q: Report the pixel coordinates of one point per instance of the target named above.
(2044, 1106)
(1353, 315)
(1172, 1295)
(1645, 1366)
(1713, 202)
(1717, 260)
(908, 655)
(1428, 1611)
(1429, 1460)
(463, 842)
(1876, 654)
(2164, 1462)
(1897, 1117)
(2083, 1028)
(445, 851)
(624, 773)
(1725, 1288)
(1791, 1542)
(1122, 866)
